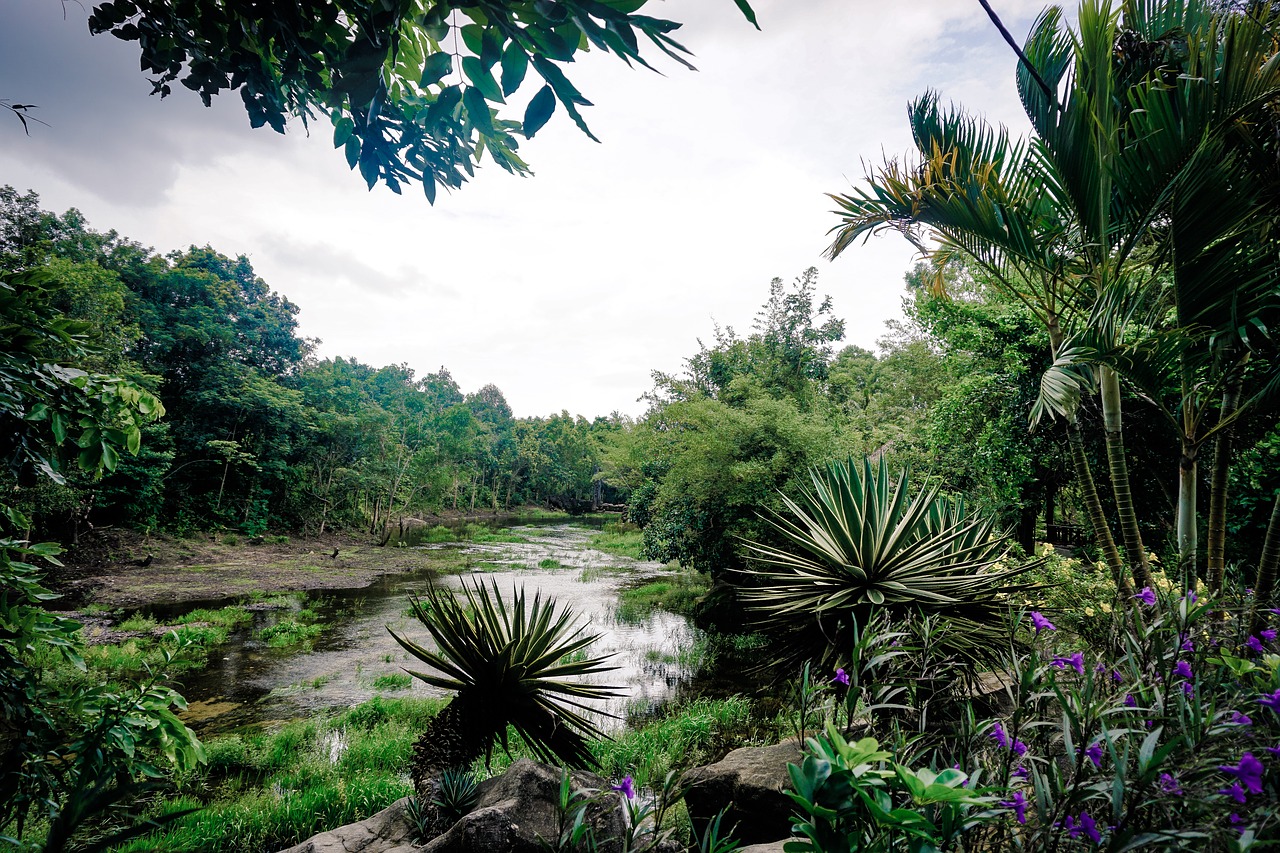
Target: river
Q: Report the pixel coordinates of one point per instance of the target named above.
(354, 657)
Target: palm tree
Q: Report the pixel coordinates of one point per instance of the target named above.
(1123, 179)
(505, 667)
(858, 544)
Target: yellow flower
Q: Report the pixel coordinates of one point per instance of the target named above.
(1106, 608)
(1088, 611)
(1047, 548)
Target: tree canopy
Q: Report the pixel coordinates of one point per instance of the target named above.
(416, 90)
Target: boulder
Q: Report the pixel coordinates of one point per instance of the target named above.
(749, 783)
(389, 831)
(520, 809)
(514, 813)
(771, 847)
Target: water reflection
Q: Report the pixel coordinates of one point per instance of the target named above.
(354, 658)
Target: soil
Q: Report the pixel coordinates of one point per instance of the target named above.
(107, 569)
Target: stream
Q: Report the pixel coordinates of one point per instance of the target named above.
(354, 658)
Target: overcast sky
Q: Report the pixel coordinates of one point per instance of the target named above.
(565, 289)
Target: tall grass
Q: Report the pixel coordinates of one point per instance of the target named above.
(261, 792)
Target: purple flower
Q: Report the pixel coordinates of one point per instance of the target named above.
(1090, 828)
(841, 678)
(1271, 700)
(1235, 792)
(1239, 719)
(1147, 596)
(1075, 661)
(1116, 676)
(1183, 669)
(1071, 826)
(1019, 806)
(1191, 598)
(1093, 752)
(1274, 750)
(1040, 623)
(1019, 748)
(1254, 645)
(1169, 785)
(1235, 819)
(1129, 701)
(1023, 773)
(1187, 645)
(626, 787)
(1248, 771)
(1268, 634)
(999, 735)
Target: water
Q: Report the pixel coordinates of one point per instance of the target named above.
(247, 682)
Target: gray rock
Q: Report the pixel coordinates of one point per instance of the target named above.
(771, 847)
(519, 809)
(389, 831)
(514, 813)
(749, 783)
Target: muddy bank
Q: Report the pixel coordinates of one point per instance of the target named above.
(123, 570)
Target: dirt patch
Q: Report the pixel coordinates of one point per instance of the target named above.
(178, 571)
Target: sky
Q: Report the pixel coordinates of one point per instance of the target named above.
(565, 289)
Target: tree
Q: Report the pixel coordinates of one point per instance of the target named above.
(381, 70)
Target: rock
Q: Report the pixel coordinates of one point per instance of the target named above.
(771, 847)
(389, 831)
(514, 812)
(749, 782)
(521, 807)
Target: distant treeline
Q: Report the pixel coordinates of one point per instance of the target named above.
(261, 435)
(258, 433)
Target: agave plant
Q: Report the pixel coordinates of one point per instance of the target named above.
(857, 544)
(505, 667)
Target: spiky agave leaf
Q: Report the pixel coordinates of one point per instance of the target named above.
(858, 544)
(512, 666)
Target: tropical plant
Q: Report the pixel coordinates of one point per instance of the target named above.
(860, 544)
(458, 794)
(505, 667)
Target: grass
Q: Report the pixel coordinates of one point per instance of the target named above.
(393, 681)
(549, 563)
(676, 593)
(289, 632)
(620, 542)
(271, 791)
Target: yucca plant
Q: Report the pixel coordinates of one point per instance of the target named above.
(857, 543)
(505, 666)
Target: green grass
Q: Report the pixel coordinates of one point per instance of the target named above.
(549, 563)
(682, 737)
(675, 593)
(270, 791)
(138, 622)
(623, 543)
(393, 681)
(289, 632)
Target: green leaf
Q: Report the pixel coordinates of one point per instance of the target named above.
(539, 111)
(353, 151)
(342, 131)
(436, 68)
(482, 79)
(514, 64)
(473, 38)
(478, 110)
(491, 46)
(748, 12)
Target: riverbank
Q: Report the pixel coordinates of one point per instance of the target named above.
(123, 570)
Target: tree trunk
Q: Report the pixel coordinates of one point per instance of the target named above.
(1187, 528)
(1264, 586)
(1113, 426)
(1093, 508)
(454, 738)
(1217, 544)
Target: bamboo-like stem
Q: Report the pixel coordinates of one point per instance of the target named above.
(1118, 465)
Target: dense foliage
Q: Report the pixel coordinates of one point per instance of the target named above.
(259, 433)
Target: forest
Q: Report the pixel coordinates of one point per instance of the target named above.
(1005, 582)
